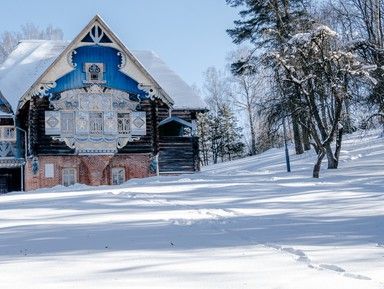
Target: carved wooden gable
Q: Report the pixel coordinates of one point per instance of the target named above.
(98, 120)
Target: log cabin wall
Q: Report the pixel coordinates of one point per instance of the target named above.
(179, 154)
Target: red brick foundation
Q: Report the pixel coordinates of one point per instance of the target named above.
(91, 170)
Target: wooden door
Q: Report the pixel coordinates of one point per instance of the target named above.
(3, 185)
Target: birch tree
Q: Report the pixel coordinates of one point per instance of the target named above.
(248, 90)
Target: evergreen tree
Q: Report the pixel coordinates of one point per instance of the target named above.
(220, 136)
(268, 24)
(203, 132)
(230, 132)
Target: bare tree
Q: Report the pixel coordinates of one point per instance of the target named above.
(248, 90)
(360, 22)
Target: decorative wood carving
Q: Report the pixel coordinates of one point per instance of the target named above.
(96, 113)
(52, 123)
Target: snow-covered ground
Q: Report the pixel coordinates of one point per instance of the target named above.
(244, 224)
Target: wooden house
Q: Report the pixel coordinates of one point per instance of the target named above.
(91, 111)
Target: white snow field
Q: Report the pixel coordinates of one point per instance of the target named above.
(244, 224)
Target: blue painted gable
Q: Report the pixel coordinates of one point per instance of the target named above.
(112, 76)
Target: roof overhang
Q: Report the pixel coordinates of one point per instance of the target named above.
(175, 119)
(9, 163)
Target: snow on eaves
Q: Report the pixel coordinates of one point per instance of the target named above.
(31, 58)
(25, 65)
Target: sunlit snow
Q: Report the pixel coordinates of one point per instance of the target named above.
(244, 224)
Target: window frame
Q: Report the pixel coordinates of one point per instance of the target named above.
(65, 181)
(93, 123)
(120, 178)
(68, 125)
(8, 133)
(90, 75)
(123, 121)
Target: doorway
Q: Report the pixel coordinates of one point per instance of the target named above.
(3, 185)
(10, 180)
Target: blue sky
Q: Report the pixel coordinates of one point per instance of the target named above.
(188, 34)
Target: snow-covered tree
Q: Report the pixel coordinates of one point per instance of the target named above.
(203, 132)
(229, 134)
(361, 23)
(219, 134)
(268, 25)
(317, 66)
(247, 91)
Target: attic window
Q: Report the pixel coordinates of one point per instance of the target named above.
(94, 72)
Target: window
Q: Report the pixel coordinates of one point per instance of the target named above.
(49, 170)
(67, 123)
(96, 123)
(69, 176)
(94, 72)
(118, 176)
(123, 123)
(8, 133)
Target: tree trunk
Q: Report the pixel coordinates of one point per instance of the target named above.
(316, 168)
(253, 135)
(297, 135)
(306, 138)
(339, 139)
(347, 120)
(332, 163)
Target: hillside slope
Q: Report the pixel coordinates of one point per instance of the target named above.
(244, 224)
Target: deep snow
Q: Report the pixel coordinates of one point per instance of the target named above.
(244, 224)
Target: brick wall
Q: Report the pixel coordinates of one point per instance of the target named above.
(90, 170)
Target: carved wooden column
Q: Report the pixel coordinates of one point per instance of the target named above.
(33, 127)
(155, 125)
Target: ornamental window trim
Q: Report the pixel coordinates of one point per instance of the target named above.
(8, 133)
(96, 123)
(94, 73)
(124, 123)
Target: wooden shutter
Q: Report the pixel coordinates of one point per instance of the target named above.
(110, 123)
(82, 122)
(52, 123)
(138, 123)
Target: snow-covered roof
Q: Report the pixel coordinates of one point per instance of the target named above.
(182, 94)
(31, 58)
(175, 119)
(24, 66)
